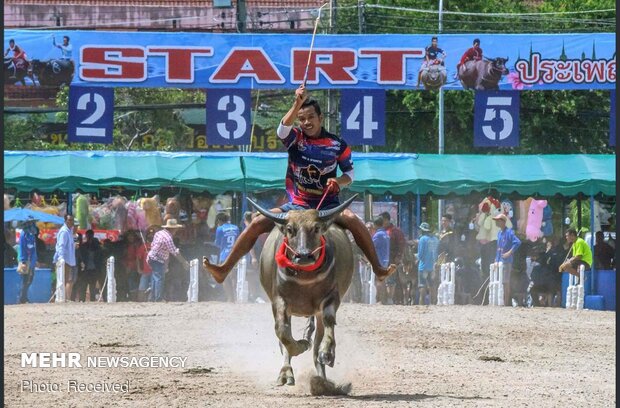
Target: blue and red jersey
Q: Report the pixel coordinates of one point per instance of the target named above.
(311, 162)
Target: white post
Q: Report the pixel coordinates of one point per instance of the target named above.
(242, 284)
(372, 292)
(581, 288)
(111, 280)
(451, 287)
(60, 281)
(492, 284)
(192, 290)
(500, 285)
(442, 284)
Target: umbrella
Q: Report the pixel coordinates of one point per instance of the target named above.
(24, 214)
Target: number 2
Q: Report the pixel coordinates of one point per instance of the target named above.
(94, 117)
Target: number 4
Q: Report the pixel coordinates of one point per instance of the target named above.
(368, 125)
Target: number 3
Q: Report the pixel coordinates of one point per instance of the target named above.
(235, 116)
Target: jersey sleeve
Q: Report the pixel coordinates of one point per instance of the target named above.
(287, 134)
(345, 161)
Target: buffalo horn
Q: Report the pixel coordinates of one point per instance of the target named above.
(324, 215)
(278, 218)
(507, 58)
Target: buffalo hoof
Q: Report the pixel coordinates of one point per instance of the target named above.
(327, 359)
(286, 377)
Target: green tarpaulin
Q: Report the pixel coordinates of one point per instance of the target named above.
(374, 172)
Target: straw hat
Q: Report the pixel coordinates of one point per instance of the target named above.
(172, 223)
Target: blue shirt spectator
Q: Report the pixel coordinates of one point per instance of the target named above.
(506, 241)
(381, 241)
(28, 245)
(225, 235)
(427, 250)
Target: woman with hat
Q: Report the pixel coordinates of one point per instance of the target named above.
(157, 258)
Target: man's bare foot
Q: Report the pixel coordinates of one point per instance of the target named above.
(215, 270)
(383, 273)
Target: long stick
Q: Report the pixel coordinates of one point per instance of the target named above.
(316, 25)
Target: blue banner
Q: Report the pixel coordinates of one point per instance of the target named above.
(612, 120)
(496, 119)
(228, 116)
(91, 115)
(362, 117)
(270, 61)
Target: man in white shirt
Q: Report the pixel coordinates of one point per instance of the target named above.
(65, 250)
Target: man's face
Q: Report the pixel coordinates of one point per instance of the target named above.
(476, 45)
(570, 238)
(445, 223)
(434, 42)
(309, 121)
(500, 223)
(65, 41)
(69, 221)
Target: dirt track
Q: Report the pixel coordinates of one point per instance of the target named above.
(466, 356)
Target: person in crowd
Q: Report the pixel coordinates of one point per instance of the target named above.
(544, 280)
(65, 251)
(604, 254)
(133, 259)
(433, 55)
(226, 234)
(161, 249)
(314, 156)
(146, 273)
(65, 48)
(507, 244)
(398, 244)
(447, 238)
(91, 263)
(78, 262)
(27, 257)
(381, 242)
(427, 256)
(580, 254)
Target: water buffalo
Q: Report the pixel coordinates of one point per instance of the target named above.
(15, 70)
(303, 276)
(434, 77)
(54, 72)
(484, 74)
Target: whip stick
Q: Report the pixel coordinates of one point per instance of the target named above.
(316, 25)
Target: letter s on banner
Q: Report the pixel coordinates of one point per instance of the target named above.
(496, 119)
(91, 115)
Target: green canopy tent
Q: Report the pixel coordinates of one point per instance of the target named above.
(399, 174)
(376, 173)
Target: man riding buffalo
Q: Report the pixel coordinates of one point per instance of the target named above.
(309, 146)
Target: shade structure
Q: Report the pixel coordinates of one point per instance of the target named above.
(25, 214)
(377, 173)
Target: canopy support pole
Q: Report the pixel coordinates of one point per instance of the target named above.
(69, 203)
(591, 244)
(417, 214)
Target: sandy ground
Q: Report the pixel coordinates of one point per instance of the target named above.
(465, 356)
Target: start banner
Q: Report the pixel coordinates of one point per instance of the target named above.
(365, 61)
